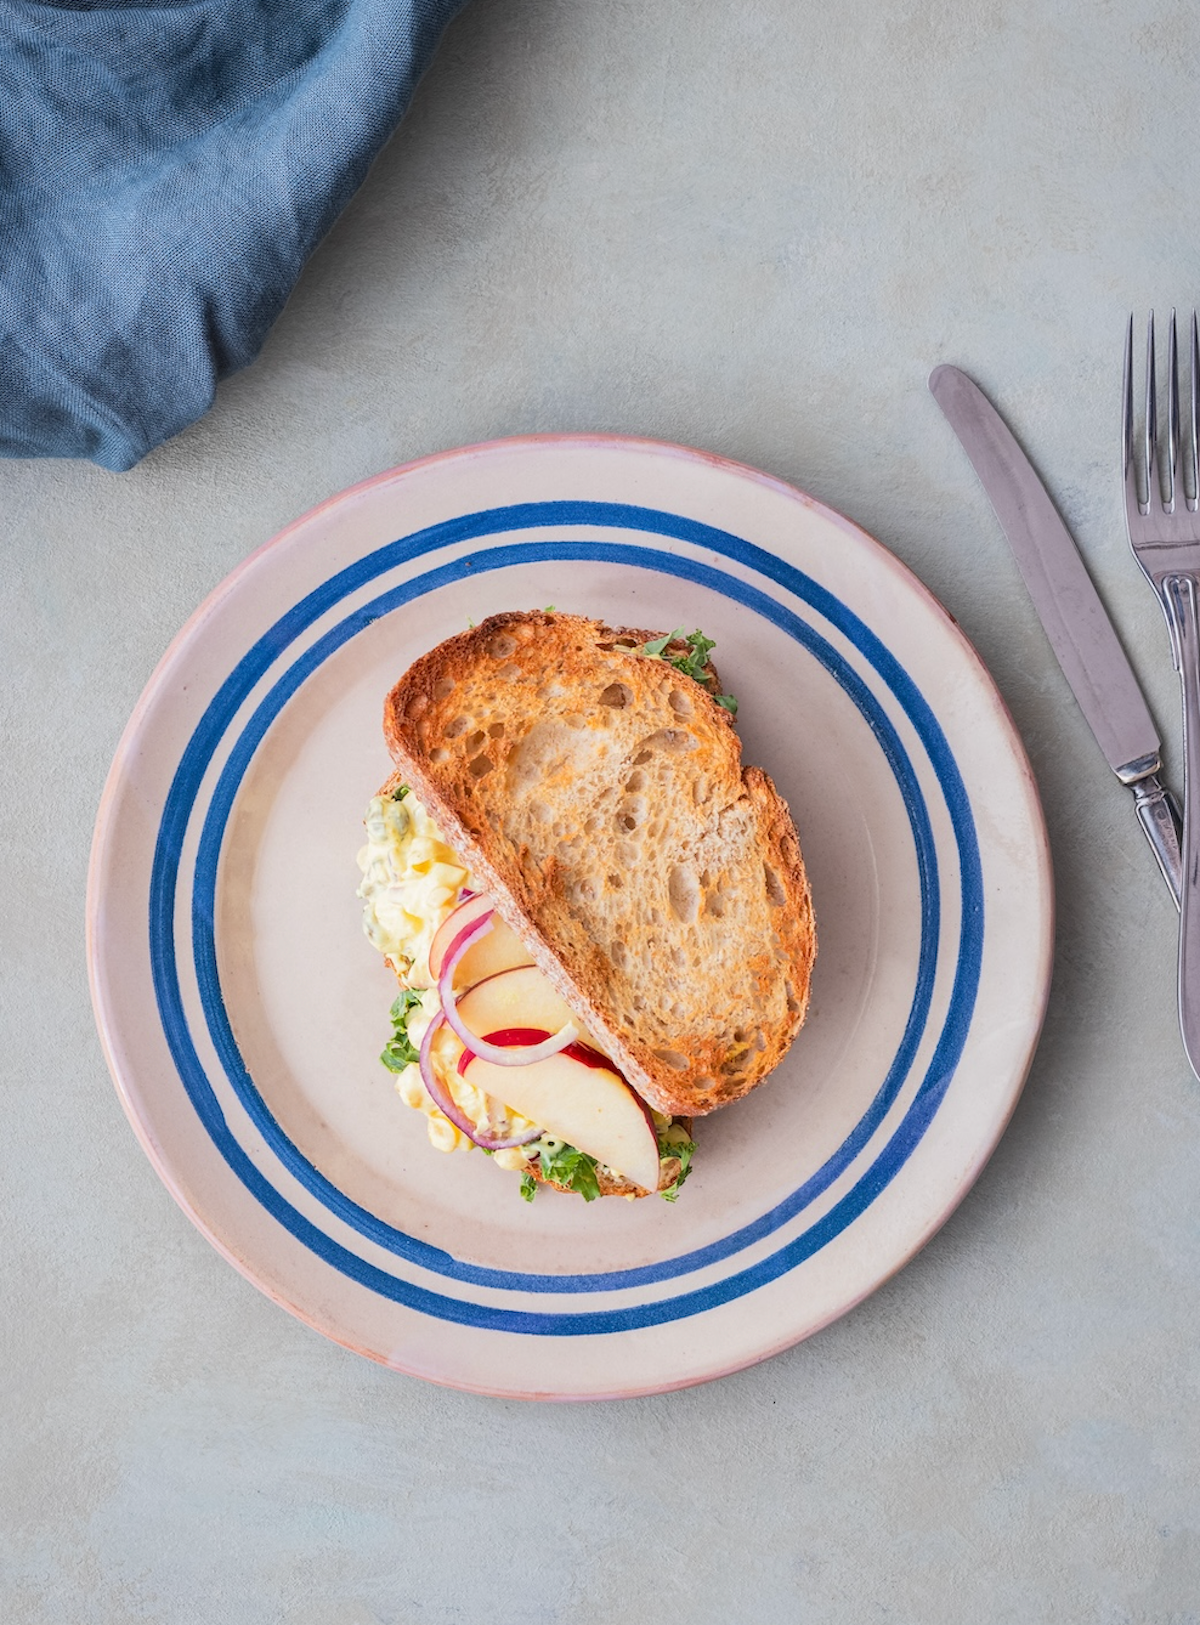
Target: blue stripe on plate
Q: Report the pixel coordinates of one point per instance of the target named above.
(204, 898)
(263, 655)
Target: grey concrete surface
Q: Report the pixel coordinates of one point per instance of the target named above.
(750, 225)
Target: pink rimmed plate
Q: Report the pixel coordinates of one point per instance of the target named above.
(242, 1010)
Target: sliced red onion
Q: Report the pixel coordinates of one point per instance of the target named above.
(467, 938)
(449, 1107)
(522, 1055)
(512, 1036)
(438, 959)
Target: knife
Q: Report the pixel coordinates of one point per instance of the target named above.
(1075, 621)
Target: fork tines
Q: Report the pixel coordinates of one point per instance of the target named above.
(1163, 472)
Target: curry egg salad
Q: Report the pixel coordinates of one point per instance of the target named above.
(412, 882)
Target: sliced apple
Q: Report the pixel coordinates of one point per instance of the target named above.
(500, 950)
(459, 919)
(514, 998)
(589, 1106)
(522, 1037)
(497, 950)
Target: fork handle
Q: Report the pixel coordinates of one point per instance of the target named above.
(1179, 596)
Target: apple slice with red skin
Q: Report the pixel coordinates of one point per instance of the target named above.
(521, 997)
(577, 1097)
(519, 1037)
(458, 920)
(499, 949)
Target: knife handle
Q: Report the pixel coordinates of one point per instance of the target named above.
(1159, 815)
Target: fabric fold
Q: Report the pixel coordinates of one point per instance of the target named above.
(165, 172)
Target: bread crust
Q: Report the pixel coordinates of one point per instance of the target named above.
(598, 795)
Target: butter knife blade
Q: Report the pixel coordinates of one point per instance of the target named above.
(1069, 607)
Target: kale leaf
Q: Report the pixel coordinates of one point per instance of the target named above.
(564, 1165)
(685, 1150)
(399, 1051)
(692, 663)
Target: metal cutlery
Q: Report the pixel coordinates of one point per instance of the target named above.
(1070, 610)
(1162, 510)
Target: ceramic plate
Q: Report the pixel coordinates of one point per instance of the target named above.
(242, 1010)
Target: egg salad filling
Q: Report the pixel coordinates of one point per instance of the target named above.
(412, 881)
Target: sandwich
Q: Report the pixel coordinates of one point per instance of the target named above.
(599, 920)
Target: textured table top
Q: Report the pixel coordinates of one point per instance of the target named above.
(752, 227)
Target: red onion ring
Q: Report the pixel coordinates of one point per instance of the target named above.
(511, 1036)
(523, 1055)
(449, 1107)
(474, 929)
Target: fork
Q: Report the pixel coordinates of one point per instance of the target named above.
(1162, 510)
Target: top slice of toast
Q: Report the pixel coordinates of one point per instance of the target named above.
(598, 794)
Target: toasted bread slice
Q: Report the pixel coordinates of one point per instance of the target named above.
(598, 794)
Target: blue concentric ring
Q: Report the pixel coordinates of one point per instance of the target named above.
(205, 948)
(258, 662)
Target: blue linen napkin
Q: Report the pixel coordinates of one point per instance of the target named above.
(165, 171)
